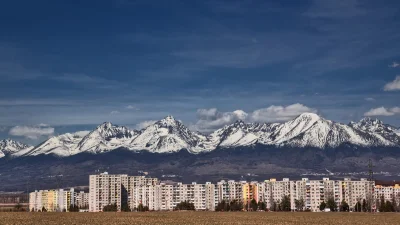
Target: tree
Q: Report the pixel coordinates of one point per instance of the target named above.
(364, 206)
(299, 204)
(33, 210)
(322, 206)
(110, 208)
(274, 206)
(74, 208)
(18, 207)
(381, 204)
(186, 205)
(235, 205)
(396, 202)
(125, 207)
(142, 208)
(44, 209)
(285, 204)
(252, 205)
(344, 207)
(331, 204)
(222, 206)
(389, 207)
(262, 206)
(358, 207)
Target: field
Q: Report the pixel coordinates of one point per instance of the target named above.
(199, 218)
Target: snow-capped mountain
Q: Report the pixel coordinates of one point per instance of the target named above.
(106, 137)
(62, 145)
(170, 135)
(167, 135)
(9, 147)
(376, 127)
(234, 135)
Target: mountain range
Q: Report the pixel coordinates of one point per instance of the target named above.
(170, 136)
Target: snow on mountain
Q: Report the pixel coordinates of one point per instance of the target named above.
(106, 137)
(169, 135)
(9, 147)
(166, 135)
(62, 145)
(237, 134)
(377, 128)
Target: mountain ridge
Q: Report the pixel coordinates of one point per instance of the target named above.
(169, 135)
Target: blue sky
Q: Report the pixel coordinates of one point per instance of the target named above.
(75, 64)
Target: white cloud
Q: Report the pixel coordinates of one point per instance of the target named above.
(114, 112)
(369, 99)
(280, 113)
(82, 133)
(211, 119)
(394, 65)
(132, 107)
(43, 125)
(382, 111)
(31, 132)
(145, 124)
(395, 109)
(393, 86)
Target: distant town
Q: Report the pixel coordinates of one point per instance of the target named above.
(121, 192)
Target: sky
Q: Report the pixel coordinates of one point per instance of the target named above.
(67, 66)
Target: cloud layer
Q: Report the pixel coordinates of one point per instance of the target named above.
(393, 86)
(145, 124)
(211, 119)
(31, 132)
(382, 111)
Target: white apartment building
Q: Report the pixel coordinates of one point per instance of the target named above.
(107, 189)
(82, 199)
(35, 201)
(51, 200)
(355, 191)
(211, 196)
(272, 191)
(230, 190)
(104, 189)
(138, 186)
(65, 199)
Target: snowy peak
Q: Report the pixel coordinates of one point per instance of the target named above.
(170, 135)
(8, 147)
(108, 131)
(377, 128)
(371, 125)
(168, 121)
(166, 135)
(62, 145)
(236, 134)
(106, 137)
(11, 146)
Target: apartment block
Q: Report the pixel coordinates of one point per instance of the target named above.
(107, 189)
(104, 189)
(82, 200)
(51, 200)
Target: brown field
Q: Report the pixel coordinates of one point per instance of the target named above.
(199, 218)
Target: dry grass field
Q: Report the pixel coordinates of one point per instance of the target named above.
(199, 218)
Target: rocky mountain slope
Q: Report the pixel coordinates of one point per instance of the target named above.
(170, 135)
(9, 147)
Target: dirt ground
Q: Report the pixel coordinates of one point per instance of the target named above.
(199, 218)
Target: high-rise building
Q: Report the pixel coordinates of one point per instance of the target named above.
(82, 200)
(104, 189)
